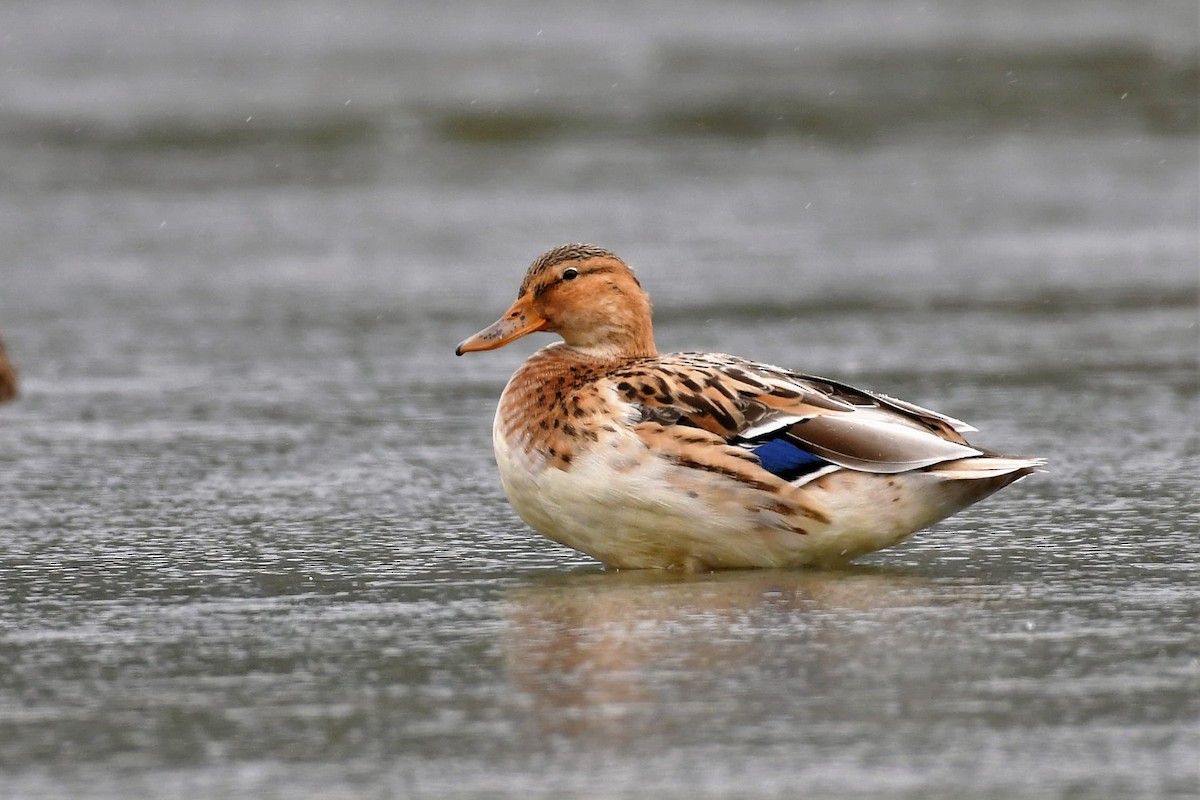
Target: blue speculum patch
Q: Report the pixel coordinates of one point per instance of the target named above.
(785, 459)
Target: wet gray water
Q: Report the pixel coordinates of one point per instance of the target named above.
(252, 543)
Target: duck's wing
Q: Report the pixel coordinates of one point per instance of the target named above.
(788, 423)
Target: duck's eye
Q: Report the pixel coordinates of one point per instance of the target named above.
(570, 274)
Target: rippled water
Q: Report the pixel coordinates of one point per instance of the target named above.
(252, 540)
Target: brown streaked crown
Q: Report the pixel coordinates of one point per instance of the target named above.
(563, 253)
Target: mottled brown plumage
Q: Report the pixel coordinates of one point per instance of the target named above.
(701, 460)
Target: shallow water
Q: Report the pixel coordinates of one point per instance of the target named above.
(253, 543)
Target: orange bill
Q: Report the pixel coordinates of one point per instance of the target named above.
(516, 322)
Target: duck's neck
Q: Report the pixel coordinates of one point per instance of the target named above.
(591, 360)
(612, 342)
(613, 352)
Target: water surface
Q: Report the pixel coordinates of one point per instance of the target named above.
(253, 543)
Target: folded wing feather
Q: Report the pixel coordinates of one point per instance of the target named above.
(749, 405)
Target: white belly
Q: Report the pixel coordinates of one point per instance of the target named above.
(630, 508)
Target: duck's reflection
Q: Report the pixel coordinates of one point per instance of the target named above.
(614, 655)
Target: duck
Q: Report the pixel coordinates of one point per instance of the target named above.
(704, 461)
(8, 377)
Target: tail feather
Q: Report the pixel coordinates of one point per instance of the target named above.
(988, 466)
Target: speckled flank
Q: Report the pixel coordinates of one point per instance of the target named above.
(647, 460)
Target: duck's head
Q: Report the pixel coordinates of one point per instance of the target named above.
(583, 293)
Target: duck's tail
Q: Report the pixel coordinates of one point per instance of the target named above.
(989, 465)
(869, 511)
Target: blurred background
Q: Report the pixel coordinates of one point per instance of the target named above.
(252, 542)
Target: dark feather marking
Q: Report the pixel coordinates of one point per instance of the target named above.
(740, 375)
(779, 507)
(723, 389)
(745, 456)
(812, 514)
(729, 473)
(704, 405)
